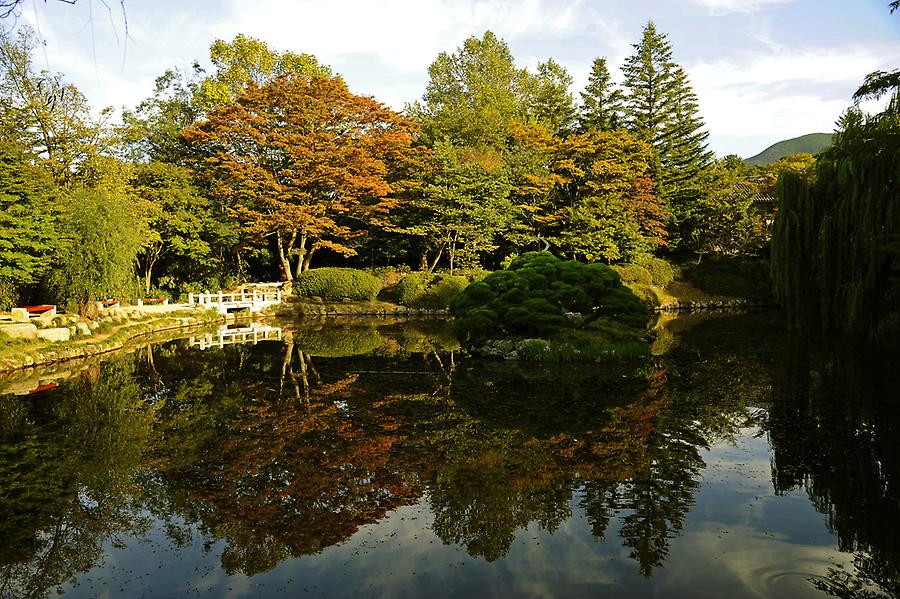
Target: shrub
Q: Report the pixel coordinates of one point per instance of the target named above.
(632, 273)
(389, 275)
(429, 290)
(532, 296)
(645, 293)
(337, 283)
(660, 271)
(473, 274)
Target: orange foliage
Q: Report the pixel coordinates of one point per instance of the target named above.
(305, 159)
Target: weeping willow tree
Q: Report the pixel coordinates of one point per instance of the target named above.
(836, 238)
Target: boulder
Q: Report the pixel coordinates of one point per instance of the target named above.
(57, 334)
(83, 329)
(20, 315)
(20, 330)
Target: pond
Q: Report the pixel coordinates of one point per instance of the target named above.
(374, 459)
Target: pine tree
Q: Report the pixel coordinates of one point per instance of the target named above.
(683, 144)
(661, 108)
(601, 102)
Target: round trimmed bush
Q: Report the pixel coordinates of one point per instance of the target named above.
(532, 296)
(429, 290)
(335, 284)
(660, 271)
(632, 273)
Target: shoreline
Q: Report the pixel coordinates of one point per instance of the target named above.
(23, 355)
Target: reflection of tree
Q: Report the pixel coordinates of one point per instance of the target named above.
(834, 434)
(637, 457)
(874, 578)
(281, 476)
(281, 453)
(489, 484)
(64, 487)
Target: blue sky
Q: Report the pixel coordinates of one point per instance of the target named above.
(764, 70)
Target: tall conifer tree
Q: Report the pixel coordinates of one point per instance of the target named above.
(661, 108)
(601, 101)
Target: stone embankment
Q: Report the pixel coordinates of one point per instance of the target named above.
(696, 306)
(61, 337)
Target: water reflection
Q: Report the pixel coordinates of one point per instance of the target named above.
(278, 450)
(236, 333)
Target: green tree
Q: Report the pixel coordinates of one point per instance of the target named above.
(472, 95)
(601, 101)
(28, 222)
(533, 294)
(661, 108)
(42, 111)
(104, 228)
(548, 98)
(604, 209)
(723, 220)
(836, 237)
(152, 131)
(464, 204)
(184, 232)
(247, 61)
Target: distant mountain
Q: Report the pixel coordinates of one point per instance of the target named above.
(812, 143)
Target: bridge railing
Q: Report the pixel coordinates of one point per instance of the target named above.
(253, 297)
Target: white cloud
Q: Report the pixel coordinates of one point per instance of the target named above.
(779, 94)
(720, 7)
(405, 34)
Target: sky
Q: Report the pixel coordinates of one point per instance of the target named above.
(763, 70)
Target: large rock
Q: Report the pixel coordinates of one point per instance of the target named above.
(20, 330)
(57, 334)
(83, 329)
(20, 315)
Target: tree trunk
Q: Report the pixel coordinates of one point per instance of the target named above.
(147, 272)
(437, 257)
(423, 259)
(284, 253)
(308, 258)
(453, 253)
(301, 254)
(152, 255)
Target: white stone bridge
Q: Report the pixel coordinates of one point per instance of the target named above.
(227, 303)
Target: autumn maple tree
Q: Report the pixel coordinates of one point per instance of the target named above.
(305, 160)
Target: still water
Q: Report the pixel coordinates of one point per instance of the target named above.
(372, 458)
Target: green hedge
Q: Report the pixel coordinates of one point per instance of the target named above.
(632, 273)
(533, 294)
(335, 284)
(429, 290)
(660, 271)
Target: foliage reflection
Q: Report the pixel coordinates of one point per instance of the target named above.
(284, 449)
